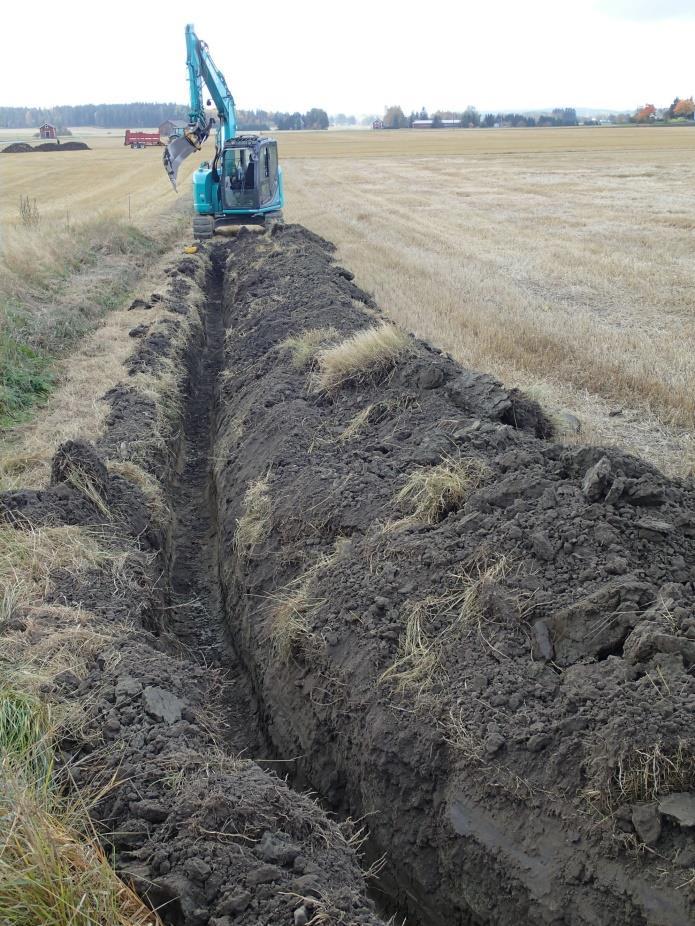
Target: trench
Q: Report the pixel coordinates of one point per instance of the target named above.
(198, 618)
(467, 841)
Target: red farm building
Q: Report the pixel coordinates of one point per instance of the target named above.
(48, 131)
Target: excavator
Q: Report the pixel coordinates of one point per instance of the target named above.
(243, 184)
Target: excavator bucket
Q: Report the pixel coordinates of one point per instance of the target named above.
(175, 153)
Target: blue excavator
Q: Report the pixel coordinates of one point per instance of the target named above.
(243, 184)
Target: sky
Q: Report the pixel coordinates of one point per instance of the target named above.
(355, 57)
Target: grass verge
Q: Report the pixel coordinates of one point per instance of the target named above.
(55, 286)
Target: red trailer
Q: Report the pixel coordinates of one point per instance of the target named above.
(141, 139)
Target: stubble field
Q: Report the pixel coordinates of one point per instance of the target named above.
(560, 259)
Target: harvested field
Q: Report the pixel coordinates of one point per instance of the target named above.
(560, 261)
(350, 558)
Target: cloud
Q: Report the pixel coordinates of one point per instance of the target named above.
(640, 10)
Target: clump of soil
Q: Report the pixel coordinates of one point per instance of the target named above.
(507, 693)
(20, 147)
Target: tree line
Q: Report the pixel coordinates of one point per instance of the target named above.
(101, 115)
(260, 120)
(147, 115)
(679, 110)
(395, 118)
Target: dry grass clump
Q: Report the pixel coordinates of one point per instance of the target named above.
(417, 661)
(148, 485)
(290, 625)
(254, 524)
(463, 737)
(356, 424)
(29, 557)
(431, 492)
(645, 774)
(475, 580)
(295, 604)
(364, 357)
(305, 346)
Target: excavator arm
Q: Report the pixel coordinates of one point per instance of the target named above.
(201, 71)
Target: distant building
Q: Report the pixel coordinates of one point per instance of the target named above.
(172, 127)
(48, 131)
(422, 123)
(378, 124)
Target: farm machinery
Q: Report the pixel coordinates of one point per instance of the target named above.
(243, 184)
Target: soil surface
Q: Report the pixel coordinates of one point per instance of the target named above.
(514, 766)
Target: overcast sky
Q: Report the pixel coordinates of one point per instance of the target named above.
(357, 56)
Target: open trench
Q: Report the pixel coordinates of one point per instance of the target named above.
(466, 800)
(198, 616)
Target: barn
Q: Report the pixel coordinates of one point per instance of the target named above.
(48, 131)
(172, 127)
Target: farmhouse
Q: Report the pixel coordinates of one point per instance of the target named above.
(48, 131)
(172, 127)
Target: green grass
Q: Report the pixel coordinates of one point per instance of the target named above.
(55, 286)
(25, 380)
(25, 733)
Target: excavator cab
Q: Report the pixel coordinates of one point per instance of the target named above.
(249, 175)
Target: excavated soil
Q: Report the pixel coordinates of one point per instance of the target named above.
(530, 757)
(526, 779)
(21, 147)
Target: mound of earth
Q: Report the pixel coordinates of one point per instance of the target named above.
(63, 146)
(17, 147)
(21, 147)
(505, 692)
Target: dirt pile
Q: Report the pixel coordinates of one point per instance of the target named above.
(21, 147)
(504, 687)
(207, 837)
(18, 147)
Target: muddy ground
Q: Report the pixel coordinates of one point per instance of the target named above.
(530, 760)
